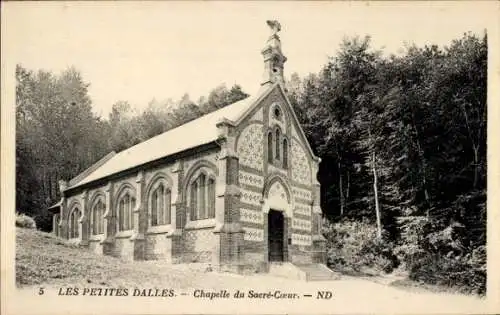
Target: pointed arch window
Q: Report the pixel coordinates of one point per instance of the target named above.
(270, 144)
(74, 224)
(277, 144)
(160, 202)
(126, 205)
(211, 198)
(194, 201)
(202, 198)
(285, 153)
(97, 219)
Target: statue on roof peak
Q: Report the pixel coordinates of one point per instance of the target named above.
(274, 25)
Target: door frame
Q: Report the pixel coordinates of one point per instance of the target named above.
(284, 239)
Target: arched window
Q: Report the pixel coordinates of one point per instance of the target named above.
(270, 147)
(98, 217)
(285, 153)
(194, 201)
(202, 198)
(73, 223)
(211, 198)
(126, 205)
(160, 205)
(277, 144)
(202, 204)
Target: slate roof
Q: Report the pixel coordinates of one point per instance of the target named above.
(197, 132)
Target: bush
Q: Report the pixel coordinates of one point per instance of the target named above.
(440, 258)
(24, 221)
(354, 246)
(466, 273)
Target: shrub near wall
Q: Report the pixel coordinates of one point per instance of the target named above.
(24, 221)
(354, 247)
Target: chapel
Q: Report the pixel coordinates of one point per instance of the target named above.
(235, 188)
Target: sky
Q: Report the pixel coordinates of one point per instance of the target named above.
(137, 51)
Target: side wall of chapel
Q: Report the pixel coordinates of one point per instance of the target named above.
(178, 241)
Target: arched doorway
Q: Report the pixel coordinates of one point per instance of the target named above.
(276, 236)
(277, 209)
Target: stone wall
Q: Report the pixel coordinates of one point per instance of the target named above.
(198, 245)
(158, 247)
(144, 241)
(245, 180)
(256, 171)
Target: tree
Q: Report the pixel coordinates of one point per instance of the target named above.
(55, 136)
(221, 97)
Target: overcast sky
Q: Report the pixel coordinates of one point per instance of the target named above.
(139, 51)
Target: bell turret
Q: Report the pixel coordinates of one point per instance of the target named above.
(273, 56)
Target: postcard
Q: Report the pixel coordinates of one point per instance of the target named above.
(256, 157)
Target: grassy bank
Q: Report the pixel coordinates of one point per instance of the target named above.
(44, 259)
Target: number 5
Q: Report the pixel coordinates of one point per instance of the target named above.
(41, 292)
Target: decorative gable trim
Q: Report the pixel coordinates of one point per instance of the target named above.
(297, 125)
(256, 103)
(264, 92)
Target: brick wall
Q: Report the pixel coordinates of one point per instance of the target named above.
(158, 246)
(198, 245)
(124, 248)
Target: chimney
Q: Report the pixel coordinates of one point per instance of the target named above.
(273, 56)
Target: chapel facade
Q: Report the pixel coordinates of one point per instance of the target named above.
(236, 188)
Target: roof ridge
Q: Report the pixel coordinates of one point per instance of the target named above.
(177, 139)
(91, 168)
(185, 124)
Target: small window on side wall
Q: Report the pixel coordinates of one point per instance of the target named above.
(202, 196)
(74, 231)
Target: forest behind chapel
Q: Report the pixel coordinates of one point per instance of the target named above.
(402, 139)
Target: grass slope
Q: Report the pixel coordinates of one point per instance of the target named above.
(44, 259)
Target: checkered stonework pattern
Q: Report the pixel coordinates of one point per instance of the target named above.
(251, 197)
(300, 166)
(303, 194)
(299, 239)
(250, 145)
(251, 234)
(252, 216)
(198, 240)
(299, 224)
(250, 179)
(302, 209)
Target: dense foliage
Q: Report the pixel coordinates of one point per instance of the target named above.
(403, 145)
(402, 140)
(353, 247)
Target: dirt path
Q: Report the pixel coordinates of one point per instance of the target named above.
(352, 295)
(348, 295)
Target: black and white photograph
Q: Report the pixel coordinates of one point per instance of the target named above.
(209, 157)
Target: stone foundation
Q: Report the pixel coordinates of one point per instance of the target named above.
(158, 247)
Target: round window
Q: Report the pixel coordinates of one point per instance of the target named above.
(277, 112)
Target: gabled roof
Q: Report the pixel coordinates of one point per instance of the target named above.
(294, 117)
(195, 133)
